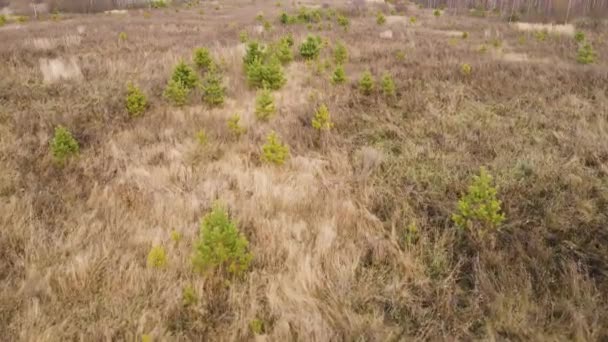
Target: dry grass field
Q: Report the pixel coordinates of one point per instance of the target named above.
(353, 237)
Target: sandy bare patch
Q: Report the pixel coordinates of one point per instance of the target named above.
(116, 12)
(567, 29)
(396, 19)
(57, 69)
(388, 34)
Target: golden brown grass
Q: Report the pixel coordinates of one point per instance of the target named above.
(328, 229)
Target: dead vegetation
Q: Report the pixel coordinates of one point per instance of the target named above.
(351, 236)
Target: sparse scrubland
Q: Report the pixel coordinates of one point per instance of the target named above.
(241, 170)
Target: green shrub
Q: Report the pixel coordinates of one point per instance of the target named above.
(176, 92)
(189, 296)
(340, 54)
(235, 127)
(267, 26)
(413, 20)
(542, 35)
(322, 119)
(63, 144)
(274, 151)
(366, 83)
(220, 246)
(243, 37)
(466, 69)
(136, 101)
(259, 16)
(266, 74)
(479, 210)
(380, 19)
(586, 54)
(343, 21)
(437, 12)
(388, 85)
(202, 138)
(255, 52)
(157, 258)
(283, 52)
(288, 39)
(285, 19)
(184, 75)
(213, 88)
(202, 58)
(122, 36)
(465, 35)
(339, 76)
(264, 105)
(257, 326)
(311, 47)
(158, 3)
(2, 20)
(579, 36)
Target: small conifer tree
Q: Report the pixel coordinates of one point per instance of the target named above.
(366, 83)
(274, 151)
(322, 120)
(264, 106)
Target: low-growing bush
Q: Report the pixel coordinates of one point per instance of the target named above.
(579, 36)
(122, 36)
(311, 47)
(479, 210)
(437, 12)
(63, 144)
(157, 257)
(266, 74)
(202, 58)
(413, 20)
(466, 69)
(465, 35)
(339, 76)
(586, 54)
(213, 88)
(264, 105)
(234, 126)
(388, 86)
(322, 119)
(343, 21)
(380, 18)
(183, 74)
(366, 83)
(340, 54)
(176, 93)
(220, 246)
(274, 151)
(136, 102)
(541, 35)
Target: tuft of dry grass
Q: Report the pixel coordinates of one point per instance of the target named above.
(351, 237)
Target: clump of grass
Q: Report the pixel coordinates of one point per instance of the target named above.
(466, 69)
(400, 55)
(202, 58)
(586, 54)
(122, 36)
(496, 43)
(340, 54)
(388, 86)
(542, 35)
(479, 210)
(63, 145)
(311, 47)
(366, 83)
(234, 126)
(274, 150)
(339, 76)
(157, 257)
(136, 102)
(322, 119)
(220, 246)
(264, 105)
(413, 20)
(213, 88)
(380, 18)
(176, 237)
(267, 26)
